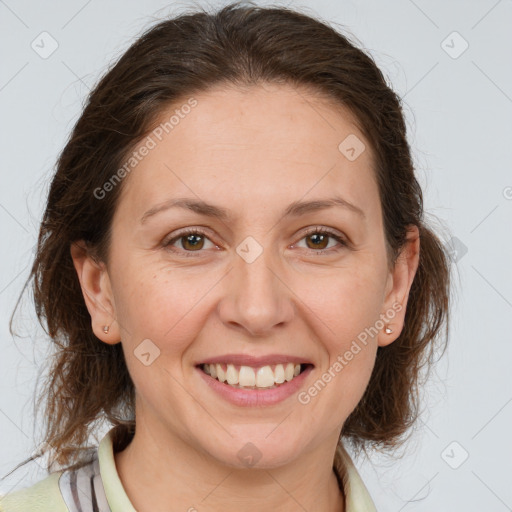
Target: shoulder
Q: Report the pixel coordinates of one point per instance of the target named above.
(43, 496)
(78, 488)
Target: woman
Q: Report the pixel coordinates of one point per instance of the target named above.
(235, 269)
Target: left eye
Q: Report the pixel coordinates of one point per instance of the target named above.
(319, 239)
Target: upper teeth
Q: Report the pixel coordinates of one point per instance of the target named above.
(246, 376)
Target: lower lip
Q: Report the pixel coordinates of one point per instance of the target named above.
(256, 397)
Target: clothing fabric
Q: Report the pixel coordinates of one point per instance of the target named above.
(96, 487)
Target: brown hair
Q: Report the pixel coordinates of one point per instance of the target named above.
(238, 45)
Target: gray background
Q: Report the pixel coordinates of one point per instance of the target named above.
(459, 111)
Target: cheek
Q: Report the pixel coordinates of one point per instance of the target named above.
(354, 368)
(343, 380)
(164, 306)
(347, 303)
(166, 310)
(348, 308)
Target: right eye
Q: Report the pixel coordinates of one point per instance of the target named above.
(191, 240)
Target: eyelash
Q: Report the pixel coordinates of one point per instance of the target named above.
(316, 230)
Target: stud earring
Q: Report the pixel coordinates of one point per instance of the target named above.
(388, 330)
(105, 329)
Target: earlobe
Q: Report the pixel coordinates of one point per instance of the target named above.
(96, 290)
(402, 277)
(388, 334)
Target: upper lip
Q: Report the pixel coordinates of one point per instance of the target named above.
(255, 361)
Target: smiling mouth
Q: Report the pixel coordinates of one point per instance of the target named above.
(248, 377)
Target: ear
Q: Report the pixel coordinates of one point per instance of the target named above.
(97, 292)
(398, 286)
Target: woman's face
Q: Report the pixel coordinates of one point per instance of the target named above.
(261, 281)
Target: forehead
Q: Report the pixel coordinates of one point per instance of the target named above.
(271, 143)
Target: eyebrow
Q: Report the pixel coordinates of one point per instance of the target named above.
(295, 209)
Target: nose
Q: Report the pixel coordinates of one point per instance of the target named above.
(257, 299)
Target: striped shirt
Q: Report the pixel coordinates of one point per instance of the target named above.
(82, 489)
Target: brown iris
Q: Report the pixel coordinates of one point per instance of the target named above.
(192, 239)
(319, 239)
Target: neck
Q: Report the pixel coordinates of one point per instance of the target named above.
(155, 473)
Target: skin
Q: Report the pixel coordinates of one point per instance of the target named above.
(252, 151)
